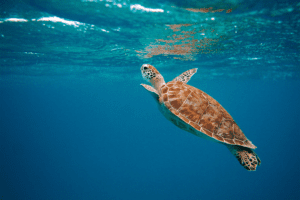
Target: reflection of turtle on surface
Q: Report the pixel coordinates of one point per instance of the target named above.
(196, 112)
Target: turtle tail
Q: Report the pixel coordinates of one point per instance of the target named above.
(246, 156)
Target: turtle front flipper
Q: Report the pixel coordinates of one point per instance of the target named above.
(152, 91)
(246, 156)
(186, 76)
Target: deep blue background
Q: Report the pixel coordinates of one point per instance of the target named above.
(64, 138)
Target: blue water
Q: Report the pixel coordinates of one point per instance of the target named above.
(76, 124)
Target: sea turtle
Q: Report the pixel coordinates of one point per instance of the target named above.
(198, 113)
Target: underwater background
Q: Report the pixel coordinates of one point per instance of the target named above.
(76, 124)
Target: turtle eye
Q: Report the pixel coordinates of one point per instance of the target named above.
(145, 68)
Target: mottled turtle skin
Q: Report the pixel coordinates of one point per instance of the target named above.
(198, 113)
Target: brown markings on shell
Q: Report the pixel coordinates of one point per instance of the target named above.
(164, 89)
(165, 97)
(211, 119)
(226, 115)
(237, 132)
(218, 138)
(229, 141)
(248, 143)
(175, 112)
(197, 109)
(226, 129)
(183, 118)
(239, 142)
(195, 126)
(193, 107)
(181, 123)
(177, 94)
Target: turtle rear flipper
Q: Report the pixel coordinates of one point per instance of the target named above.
(246, 156)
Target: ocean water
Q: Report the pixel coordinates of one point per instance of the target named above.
(76, 124)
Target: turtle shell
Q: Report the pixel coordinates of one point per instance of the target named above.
(200, 112)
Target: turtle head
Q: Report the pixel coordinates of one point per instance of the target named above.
(153, 76)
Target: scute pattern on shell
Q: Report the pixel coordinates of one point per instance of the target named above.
(198, 110)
